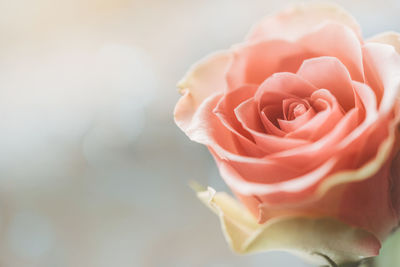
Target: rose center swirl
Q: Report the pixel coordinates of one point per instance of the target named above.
(301, 118)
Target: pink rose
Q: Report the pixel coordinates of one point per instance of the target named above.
(302, 120)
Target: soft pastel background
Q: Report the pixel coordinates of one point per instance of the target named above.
(93, 171)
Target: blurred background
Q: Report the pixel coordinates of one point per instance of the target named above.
(93, 171)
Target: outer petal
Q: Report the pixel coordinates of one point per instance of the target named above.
(382, 72)
(286, 190)
(255, 62)
(323, 41)
(368, 195)
(366, 204)
(391, 38)
(294, 22)
(207, 129)
(305, 236)
(203, 80)
(225, 112)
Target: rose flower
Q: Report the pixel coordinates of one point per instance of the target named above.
(302, 120)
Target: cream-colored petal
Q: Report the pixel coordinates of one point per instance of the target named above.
(295, 21)
(383, 62)
(304, 236)
(237, 223)
(204, 79)
(207, 76)
(391, 38)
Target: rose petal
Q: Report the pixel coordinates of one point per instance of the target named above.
(367, 170)
(269, 117)
(255, 171)
(247, 114)
(382, 71)
(291, 125)
(306, 170)
(324, 42)
(357, 198)
(202, 80)
(368, 100)
(281, 85)
(294, 22)
(331, 74)
(366, 205)
(275, 182)
(323, 122)
(390, 38)
(206, 128)
(319, 151)
(252, 64)
(225, 112)
(338, 241)
(290, 104)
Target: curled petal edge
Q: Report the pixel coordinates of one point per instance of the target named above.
(297, 19)
(390, 38)
(306, 237)
(366, 171)
(204, 79)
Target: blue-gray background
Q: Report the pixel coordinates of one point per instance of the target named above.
(93, 171)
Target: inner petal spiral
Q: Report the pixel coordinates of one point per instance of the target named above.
(299, 110)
